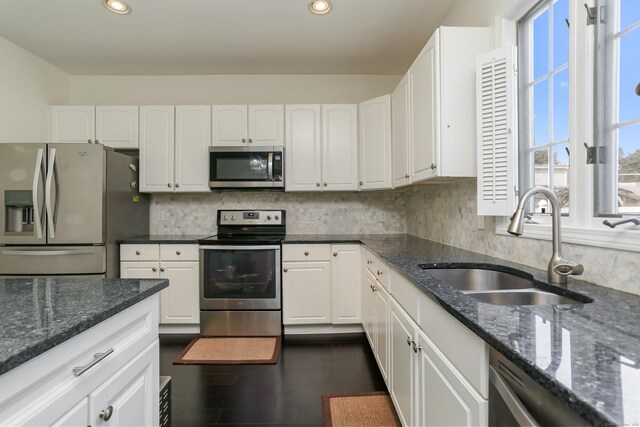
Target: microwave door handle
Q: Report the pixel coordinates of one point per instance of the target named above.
(34, 192)
(270, 166)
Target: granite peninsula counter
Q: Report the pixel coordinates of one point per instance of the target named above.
(587, 355)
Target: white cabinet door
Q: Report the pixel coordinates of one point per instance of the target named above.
(368, 308)
(303, 152)
(444, 397)
(266, 125)
(400, 133)
(117, 126)
(345, 284)
(140, 270)
(229, 125)
(306, 293)
(340, 147)
(73, 123)
(157, 132)
(403, 367)
(381, 319)
(423, 84)
(193, 138)
(179, 303)
(131, 395)
(77, 416)
(374, 121)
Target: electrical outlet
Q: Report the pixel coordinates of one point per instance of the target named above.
(480, 222)
(382, 216)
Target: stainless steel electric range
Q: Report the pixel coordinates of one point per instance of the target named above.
(240, 274)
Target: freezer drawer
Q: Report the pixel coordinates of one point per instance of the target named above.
(52, 260)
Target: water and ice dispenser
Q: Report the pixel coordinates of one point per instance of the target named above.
(19, 214)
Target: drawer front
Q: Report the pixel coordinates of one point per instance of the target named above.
(464, 349)
(179, 252)
(306, 253)
(405, 293)
(139, 252)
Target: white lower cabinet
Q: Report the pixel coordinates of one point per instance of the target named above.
(179, 303)
(320, 284)
(119, 390)
(381, 329)
(404, 376)
(367, 306)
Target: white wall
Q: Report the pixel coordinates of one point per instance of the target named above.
(229, 89)
(480, 13)
(28, 85)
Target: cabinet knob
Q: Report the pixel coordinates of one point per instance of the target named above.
(317, 184)
(154, 269)
(361, 183)
(379, 273)
(335, 254)
(137, 252)
(406, 176)
(433, 165)
(306, 253)
(409, 340)
(416, 348)
(97, 141)
(161, 268)
(177, 185)
(169, 185)
(325, 184)
(178, 252)
(244, 139)
(250, 140)
(89, 141)
(105, 414)
(368, 261)
(285, 269)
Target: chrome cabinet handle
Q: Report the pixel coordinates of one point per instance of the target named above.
(105, 414)
(317, 184)
(416, 348)
(379, 273)
(285, 269)
(244, 139)
(433, 165)
(306, 253)
(169, 185)
(79, 370)
(368, 261)
(178, 252)
(250, 140)
(97, 141)
(361, 183)
(137, 252)
(177, 185)
(335, 254)
(161, 268)
(406, 176)
(409, 340)
(325, 184)
(154, 269)
(89, 141)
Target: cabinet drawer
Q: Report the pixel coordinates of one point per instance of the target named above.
(464, 349)
(179, 252)
(139, 252)
(379, 269)
(306, 253)
(405, 293)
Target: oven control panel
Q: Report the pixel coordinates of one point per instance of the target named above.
(241, 217)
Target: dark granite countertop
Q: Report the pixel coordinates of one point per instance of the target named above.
(163, 238)
(588, 355)
(40, 313)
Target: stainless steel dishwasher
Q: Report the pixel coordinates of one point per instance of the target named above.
(515, 399)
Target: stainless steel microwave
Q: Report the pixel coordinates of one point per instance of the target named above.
(246, 167)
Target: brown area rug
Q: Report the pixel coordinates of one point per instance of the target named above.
(363, 409)
(230, 351)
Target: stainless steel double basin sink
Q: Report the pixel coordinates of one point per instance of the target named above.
(502, 288)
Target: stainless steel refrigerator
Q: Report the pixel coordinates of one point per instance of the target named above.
(65, 206)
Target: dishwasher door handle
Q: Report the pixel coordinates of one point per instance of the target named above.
(517, 409)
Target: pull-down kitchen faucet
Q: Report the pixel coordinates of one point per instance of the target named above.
(559, 268)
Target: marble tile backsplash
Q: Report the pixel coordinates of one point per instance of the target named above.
(447, 214)
(381, 212)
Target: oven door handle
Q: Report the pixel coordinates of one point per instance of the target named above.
(270, 166)
(238, 248)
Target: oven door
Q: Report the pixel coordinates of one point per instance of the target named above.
(233, 167)
(240, 277)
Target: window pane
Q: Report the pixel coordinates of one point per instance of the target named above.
(541, 178)
(629, 75)
(541, 45)
(541, 113)
(561, 176)
(561, 106)
(629, 13)
(629, 169)
(560, 33)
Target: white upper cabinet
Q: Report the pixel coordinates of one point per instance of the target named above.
(193, 138)
(117, 126)
(266, 125)
(340, 147)
(157, 132)
(400, 133)
(374, 123)
(441, 108)
(113, 126)
(245, 126)
(303, 150)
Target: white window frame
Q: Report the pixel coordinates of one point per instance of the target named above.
(581, 227)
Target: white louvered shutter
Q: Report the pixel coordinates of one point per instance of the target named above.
(496, 109)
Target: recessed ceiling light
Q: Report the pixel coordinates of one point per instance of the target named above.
(320, 7)
(117, 6)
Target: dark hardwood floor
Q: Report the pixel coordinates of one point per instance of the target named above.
(287, 393)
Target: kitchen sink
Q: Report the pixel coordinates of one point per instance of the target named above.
(501, 287)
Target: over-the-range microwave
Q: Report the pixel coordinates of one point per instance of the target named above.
(246, 167)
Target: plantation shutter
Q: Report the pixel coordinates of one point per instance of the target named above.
(497, 152)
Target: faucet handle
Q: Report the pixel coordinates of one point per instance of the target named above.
(568, 268)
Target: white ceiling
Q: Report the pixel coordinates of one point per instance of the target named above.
(223, 36)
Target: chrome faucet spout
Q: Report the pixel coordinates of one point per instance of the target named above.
(559, 268)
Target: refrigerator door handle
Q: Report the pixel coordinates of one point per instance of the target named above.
(47, 195)
(34, 192)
